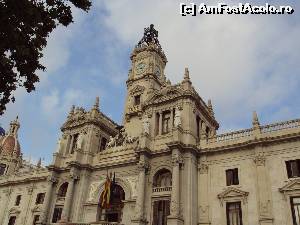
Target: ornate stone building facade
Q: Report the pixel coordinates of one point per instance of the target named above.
(171, 166)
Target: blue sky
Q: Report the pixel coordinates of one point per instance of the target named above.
(243, 63)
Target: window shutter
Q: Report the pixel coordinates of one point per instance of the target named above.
(288, 169)
(236, 176)
(227, 177)
(240, 213)
(155, 213)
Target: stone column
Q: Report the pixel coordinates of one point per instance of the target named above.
(175, 217)
(69, 197)
(203, 203)
(160, 125)
(265, 203)
(7, 195)
(172, 118)
(70, 144)
(143, 167)
(82, 192)
(29, 191)
(44, 216)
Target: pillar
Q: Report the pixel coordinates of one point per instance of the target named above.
(160, 123)
(263, 190)
(7, 195)
(44, 216)
(175, 217)
(69, 198)
(203, 202)
(172, 118)
(143, 167)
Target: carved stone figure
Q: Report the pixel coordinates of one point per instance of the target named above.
(111, 142)
(146, 125)
(59, 144)
(80, 140)
(94, 189)
(177, 118)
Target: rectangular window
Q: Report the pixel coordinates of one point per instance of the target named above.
(56, 215)
(35, 219)
(166, 122)
(103, 144)
(157, 124)
(198, 126)
(40, 198)
(234, 213)
(137, 100)
(12, 220)
(2, 169)
(293, 168)
(18, 200)
(295, 205)
(232, 177)
(161, 210)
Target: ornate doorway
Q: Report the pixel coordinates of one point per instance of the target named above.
(161, 209)
(114, 213)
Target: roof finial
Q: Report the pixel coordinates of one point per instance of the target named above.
(14, 127)
(96, 105)
(39, 163)
(150, 37)
(210, 107)
(72, 111)
(255, 121)
(186, 74)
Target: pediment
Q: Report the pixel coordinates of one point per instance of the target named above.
(233, 192)
(137, 90)
(293, 185)
(14, 211)
(36, 208)
(165, 94)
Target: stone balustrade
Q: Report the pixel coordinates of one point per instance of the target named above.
(234, 135)
(162, 189)
(248, 133)
(92, 223)
(280, 126)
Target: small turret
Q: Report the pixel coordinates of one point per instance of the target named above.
(186, 83)
(255, 121)
(210, 108)
(39, 163)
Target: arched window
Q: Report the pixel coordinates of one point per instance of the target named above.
(162, 178)
(63, 190)
(2, 169)
(114, 213)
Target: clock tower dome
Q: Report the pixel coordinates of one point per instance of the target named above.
(146, 75)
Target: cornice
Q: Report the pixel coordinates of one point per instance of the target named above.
(264, 141)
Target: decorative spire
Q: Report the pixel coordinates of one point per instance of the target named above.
(255, 121)
(186, 74)
(72, 110)
(39, 163)
(210, 108)
(96, 105)
(14, 127)
(150, 37)
(187, 84)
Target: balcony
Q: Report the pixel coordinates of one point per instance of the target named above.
(162, 189)
(91, 223)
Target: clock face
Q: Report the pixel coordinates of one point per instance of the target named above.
(140, 68)
(157, 71)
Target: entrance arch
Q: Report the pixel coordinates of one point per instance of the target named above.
(114, 212)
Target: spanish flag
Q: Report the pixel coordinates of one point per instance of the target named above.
(105, 195)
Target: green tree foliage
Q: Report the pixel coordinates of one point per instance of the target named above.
(24, 28)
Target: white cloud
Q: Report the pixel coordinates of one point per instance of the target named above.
(242, 62)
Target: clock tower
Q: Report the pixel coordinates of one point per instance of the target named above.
(145, 76)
